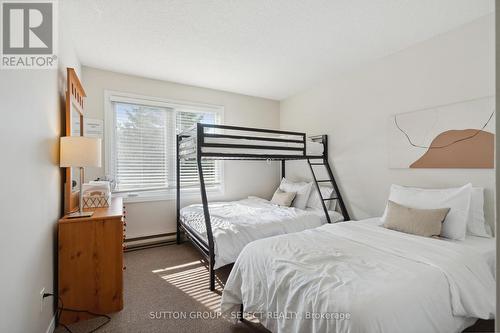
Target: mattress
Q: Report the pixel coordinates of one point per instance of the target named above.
(312, 148)
(334, 215)
(383, 280)
(237, 223)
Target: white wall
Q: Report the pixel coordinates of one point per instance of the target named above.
(353, 109)
(30, 196)
(31, 104)
(241, 178)
(497, 161)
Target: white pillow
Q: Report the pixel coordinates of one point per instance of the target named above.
(281, 198)
(457, 199)
(302, 190)
(315, 201)
(476, 225)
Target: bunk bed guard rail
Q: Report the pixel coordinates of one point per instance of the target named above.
(232, 142)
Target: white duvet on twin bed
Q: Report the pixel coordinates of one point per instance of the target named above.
(385, 280)
(237, 223)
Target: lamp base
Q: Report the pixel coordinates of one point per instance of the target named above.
(77, 215)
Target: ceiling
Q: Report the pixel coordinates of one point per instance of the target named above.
(265, 48)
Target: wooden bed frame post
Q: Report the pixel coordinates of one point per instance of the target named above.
(206, 212)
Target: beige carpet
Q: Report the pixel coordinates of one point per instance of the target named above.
(169, 280)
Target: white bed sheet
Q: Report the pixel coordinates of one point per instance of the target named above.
(485, 246)
(385, 280)
(237, 223)
(334, 215)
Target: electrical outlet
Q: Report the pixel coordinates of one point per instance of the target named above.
(42, 299)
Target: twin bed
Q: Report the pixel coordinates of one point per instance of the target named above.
(297, 273)
(361, 277)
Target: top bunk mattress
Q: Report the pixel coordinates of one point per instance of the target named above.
(313, 148)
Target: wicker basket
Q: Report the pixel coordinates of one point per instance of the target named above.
(96, 200)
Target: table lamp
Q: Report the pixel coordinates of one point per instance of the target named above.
(80, 152)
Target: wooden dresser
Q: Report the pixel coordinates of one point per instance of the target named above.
(91, 262)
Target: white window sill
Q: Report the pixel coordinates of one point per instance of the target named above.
(166, 195)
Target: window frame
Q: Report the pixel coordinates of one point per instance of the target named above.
(111, 96)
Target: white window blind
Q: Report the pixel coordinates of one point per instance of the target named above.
(141, 140)
(143, 149)
(189, 169)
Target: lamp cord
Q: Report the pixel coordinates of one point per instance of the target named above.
(62, 308)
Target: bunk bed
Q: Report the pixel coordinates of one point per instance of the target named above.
(223, 142)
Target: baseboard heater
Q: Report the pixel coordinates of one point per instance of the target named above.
(146, 242)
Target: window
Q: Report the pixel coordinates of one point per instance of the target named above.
(140, 145)
(189, 169)
(140, 149)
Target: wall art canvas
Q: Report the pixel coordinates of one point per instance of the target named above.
(458, 135)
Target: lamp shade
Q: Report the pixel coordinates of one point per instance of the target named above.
(79, 151)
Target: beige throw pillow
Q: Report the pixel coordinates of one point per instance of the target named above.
(282, 198)
(422, 222)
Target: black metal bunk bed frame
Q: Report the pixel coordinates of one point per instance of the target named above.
(198, 135)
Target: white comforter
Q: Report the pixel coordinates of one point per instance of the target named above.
(237, 223)
(382, 280)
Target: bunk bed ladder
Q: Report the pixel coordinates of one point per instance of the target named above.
(331, 180)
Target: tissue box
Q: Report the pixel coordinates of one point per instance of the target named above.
(96, 185)
(96, 194)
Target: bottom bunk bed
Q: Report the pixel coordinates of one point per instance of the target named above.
(237, 223)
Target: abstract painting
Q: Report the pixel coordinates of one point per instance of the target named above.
(458, 135)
